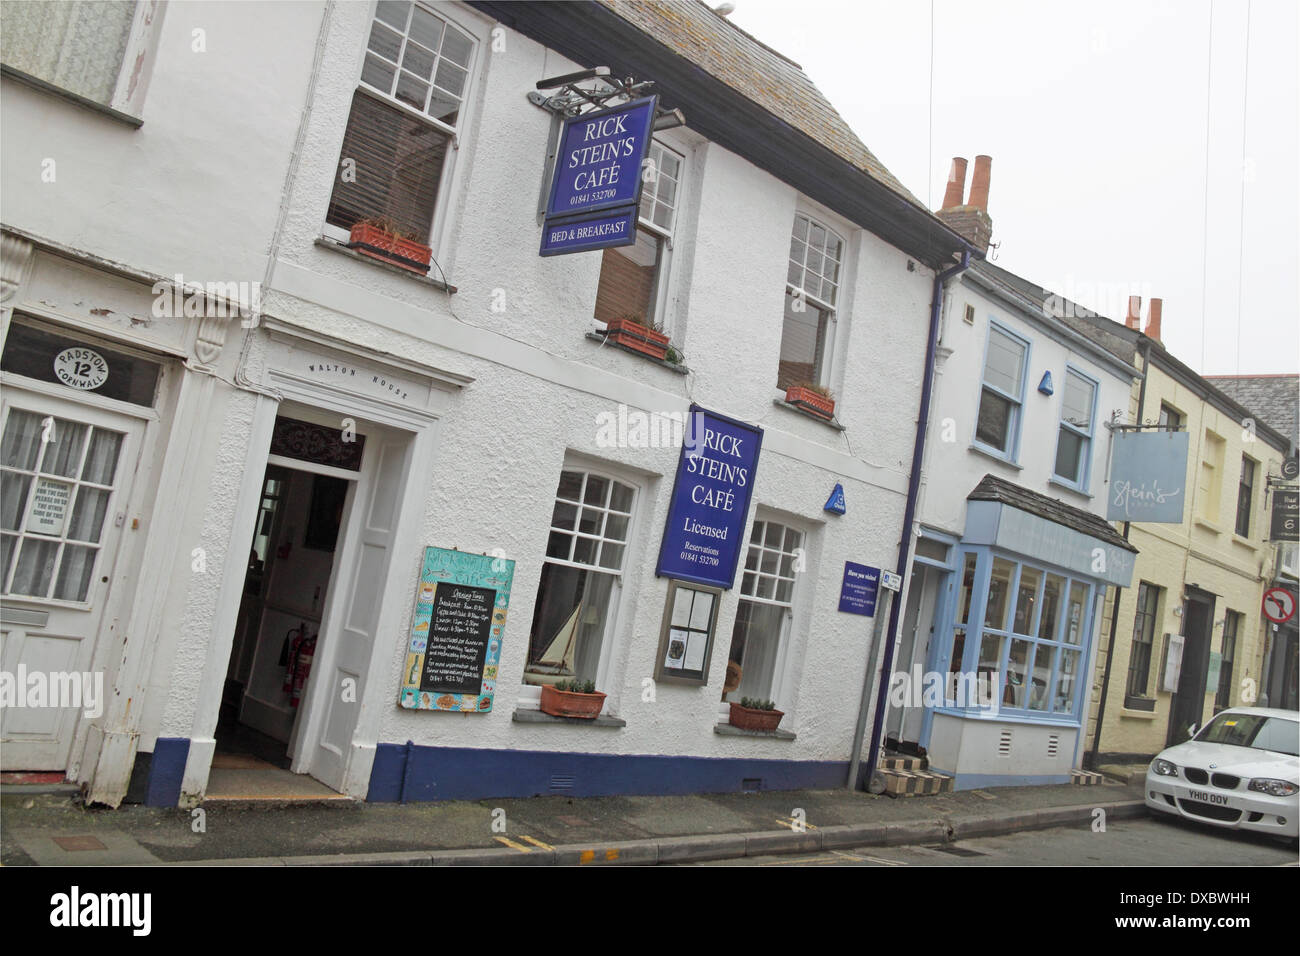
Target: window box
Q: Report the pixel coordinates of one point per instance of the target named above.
(636, 335)
(752, 718)
(568, 703)
(811, 399)
(373, 239)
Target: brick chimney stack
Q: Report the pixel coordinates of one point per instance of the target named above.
(1153, 319)
(952, 196)
(969, 219)
(1134, 318)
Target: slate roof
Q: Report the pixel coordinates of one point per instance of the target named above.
(992, 488)
(1274, 398)
(774, 82)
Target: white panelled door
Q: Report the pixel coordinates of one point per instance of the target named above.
(65, 475)
(356, 601)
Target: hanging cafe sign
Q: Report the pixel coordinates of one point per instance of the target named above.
(596, 185)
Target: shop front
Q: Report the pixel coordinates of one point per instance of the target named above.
(1014, 637)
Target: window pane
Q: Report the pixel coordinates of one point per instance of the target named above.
(611, 556)
(620, 498)
(426, 29)
(22, 440)
(557, 545)
(13, 499)
(418, 60)
(74, 573)
(1042, 680)
(399, 164)
(564, 516)
(570, 486)
(378, 74)
(597, 490)
(958, 651)
(755, 645)
(1049, 619)
(35, 567)
(967, 590)
(456, 47)
(993, 426)
(394, 12)
(616, 527)
(88, 515)
(995, 615)
(628, 280)
(1067, 681)
(410, 90)
(1005, 362)
(8, 545)
(387, 43)
(1017, 673)
(803, 338)
(1075, 613)
(1026, 600)
(1069, 455)
(451, 78)
(1077, 403)
(101, 460)
(990, 657)
(63, 450)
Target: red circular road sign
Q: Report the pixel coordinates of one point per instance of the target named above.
(1279, 605)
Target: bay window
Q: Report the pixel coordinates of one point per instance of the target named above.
(811, 289)
(762, 627)
(1074, 439)
(577, 597)
(1031, 646)
(634, 279)
(1002, 393)
(405, 116)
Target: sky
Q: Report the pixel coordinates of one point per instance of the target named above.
(1147, 147)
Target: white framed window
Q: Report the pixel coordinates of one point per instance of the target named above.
(578, 595)
(1074, 439)
(1002, 392)
(402, 129)
(761, 634)
(634, 279)
(812, 285)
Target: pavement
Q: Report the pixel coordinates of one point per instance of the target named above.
(44, 826)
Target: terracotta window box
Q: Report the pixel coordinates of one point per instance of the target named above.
(567, 703)
(813, 402)
(370, 240)
(639, 338)
(750, 718)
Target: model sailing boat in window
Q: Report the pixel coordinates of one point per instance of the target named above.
(557, 660)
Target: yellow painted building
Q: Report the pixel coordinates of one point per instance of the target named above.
(1197, 586)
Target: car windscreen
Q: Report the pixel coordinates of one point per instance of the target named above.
(1253, 730)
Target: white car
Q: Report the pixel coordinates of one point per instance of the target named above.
(1240, 771)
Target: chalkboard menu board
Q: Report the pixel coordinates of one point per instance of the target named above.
(455, 642)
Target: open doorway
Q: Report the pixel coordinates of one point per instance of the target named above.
(280, 625)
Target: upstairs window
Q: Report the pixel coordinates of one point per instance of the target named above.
(1144, 632)
(1002, 393)
(1245, 496)
(634, 279)
(405, 116)
(75, 46)
(1228, 654)
(1169, 419)
(1074, 441)
(811, 290)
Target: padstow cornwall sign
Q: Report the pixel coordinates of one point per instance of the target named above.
(1147, 473)
(597, 181)
(706, 516)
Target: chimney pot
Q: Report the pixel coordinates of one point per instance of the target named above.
(952, 196)
(1134, 318)
(979, 184)
(1153, 319)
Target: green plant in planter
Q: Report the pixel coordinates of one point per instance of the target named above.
(672, 356)
(576, 686)
(756, 703)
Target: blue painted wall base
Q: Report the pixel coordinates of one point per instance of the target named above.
(166, 771)
(406, 773)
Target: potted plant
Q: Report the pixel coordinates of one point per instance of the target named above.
(633, 332)
(755, 714)
(383, 239)
(572, 698)
(815, 399)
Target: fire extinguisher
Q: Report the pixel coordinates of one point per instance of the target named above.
(302, 648)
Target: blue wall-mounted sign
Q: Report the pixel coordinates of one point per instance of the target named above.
(596, 184)
(1148, 477)
(858, 589)
(1045, 384)
(598, 165)
(600, 230)
(703, 536)
(835, 503)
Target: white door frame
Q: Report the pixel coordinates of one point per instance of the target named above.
(422, 423)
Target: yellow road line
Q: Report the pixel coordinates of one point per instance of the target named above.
(513, 845)
(538, 843)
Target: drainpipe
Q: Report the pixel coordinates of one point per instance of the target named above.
(909, 515)
(1091, 763)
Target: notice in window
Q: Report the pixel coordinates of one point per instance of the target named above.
(49, 512)
(454, 648)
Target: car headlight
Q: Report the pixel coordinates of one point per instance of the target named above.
(1274, 788)
(1164, 768)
